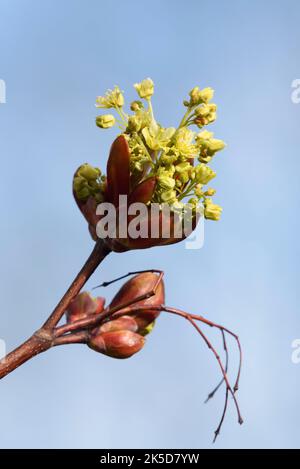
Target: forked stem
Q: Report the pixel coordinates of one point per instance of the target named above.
(78, 331)
(192, 318)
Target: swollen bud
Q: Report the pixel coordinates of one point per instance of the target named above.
(117, 344)
(83, 306)
(141, 284)
(123, 323)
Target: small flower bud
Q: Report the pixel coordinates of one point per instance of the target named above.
(134, 124)
(206, 94)
(81, 188)
(86, 182)
(204, 173)
(166, 182)
(145, 89)
(215, 145)
(204, 158)
(212, 211)
(136, 106)
(89, 172)
(202, 111)
(203, 137)
(205, 114)
(106, 121)
(193, 201)
(198, 96)
(198, 190)
(183, 167)
(117, 344)
(210, 192)
(195, 96)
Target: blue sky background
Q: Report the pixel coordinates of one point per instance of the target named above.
(55, 57)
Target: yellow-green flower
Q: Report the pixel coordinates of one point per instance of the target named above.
(183, 167)
(168, 196)
(145, 89)
(212, 211)
(208, 145)
(183, 143)
(204, 174)
(198, 96)
(205, 114)
(183, 171)
(167, 171)
(112, 99)
(106, 121)
(157, 137)
(163, 154)
(168, 158)
(166, 182)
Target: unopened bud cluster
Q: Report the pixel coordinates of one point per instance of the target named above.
(124, 336)
(88, 181)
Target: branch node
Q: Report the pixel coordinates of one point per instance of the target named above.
(44, 335)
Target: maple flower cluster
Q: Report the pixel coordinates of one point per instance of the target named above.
(177, 157)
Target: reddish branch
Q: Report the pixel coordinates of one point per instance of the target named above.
(99, 252)
(43, 339)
